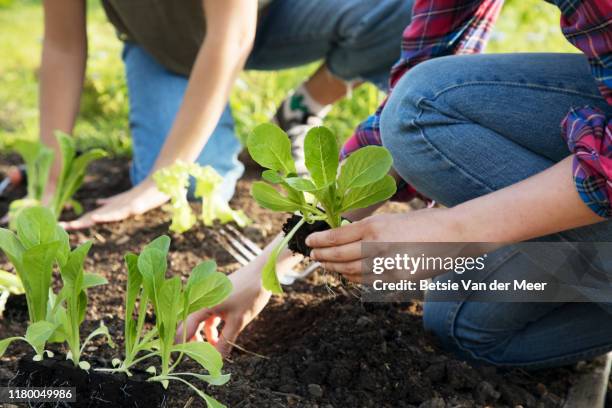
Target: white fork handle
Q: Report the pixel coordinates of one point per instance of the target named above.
(290, 278)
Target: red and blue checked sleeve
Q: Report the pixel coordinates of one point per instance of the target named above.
(438, 28)
(587, 25)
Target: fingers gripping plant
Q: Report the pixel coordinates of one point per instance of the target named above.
(38, 160)
(174, 182)
(38, 244)
(329, 190)
(172, 302)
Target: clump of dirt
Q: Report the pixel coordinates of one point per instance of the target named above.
(297, 243)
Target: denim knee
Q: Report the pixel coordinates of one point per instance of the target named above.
(438, 318)
(399, 130)
(462, 328)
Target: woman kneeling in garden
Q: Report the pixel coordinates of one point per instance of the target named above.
(480, 135)
(181, 61)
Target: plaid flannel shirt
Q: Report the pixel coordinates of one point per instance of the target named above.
(447, 27)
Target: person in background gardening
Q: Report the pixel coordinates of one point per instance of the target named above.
(480, 134)
(181, 60)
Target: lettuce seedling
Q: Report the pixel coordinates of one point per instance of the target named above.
(172, 302)
(10, 284)
(70, 305)
(38, 244)
(329, 190)
(174, 182)
(38, 160)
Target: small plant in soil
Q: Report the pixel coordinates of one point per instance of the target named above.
(172, 302)
(38, 160)
(174, 182)
(38, 245)
(10, 285)
(328, 191)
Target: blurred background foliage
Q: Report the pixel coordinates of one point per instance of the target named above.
(525, 26)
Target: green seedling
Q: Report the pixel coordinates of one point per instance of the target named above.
(327, 192)
(39, 244)
(38, 160)
(172, 302)
(174, 182)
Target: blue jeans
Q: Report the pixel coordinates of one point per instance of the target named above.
(358, 40)
(461, 127)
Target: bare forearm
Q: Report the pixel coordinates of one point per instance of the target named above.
(540, 205)
(61, 82)
(62, 68)
(230, 35)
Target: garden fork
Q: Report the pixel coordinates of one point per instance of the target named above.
(244, 251)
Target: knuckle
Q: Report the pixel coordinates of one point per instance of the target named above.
(332, 236)
(354, 268)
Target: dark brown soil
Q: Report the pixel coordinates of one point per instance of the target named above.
(93, 389)
(298, 241)
(317, 345)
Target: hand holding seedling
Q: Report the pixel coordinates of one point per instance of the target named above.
(340, 249)
(329, 191)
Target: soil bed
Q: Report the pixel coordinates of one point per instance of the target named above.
(317, 345)
(93, 389)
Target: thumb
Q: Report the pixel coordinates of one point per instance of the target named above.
(191, 324)
(230, 332)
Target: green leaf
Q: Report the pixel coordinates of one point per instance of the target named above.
(204, 354)
(77, 207)
(301, 184)
(161, 243)
(363, 197)
(11, 282)
(206, 287)
(38, 333)
(134, 282)
(270, 147)
(212, 380)
(35, 226)
(36, 277)
(102, 330)
(268, 197)
(269, 277)
(7, 342)
(73, 170)
(37, 158)
(214, 207)
(322, 156)
(152, 265)
(64, 248)
(91, 280)
(363, 167)
(72, 270)
(174, 182)
(67, 149)
(12, 248)
(272, 176)
(210, 401)
(169, 305)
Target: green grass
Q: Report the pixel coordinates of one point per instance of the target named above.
(525, 26)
